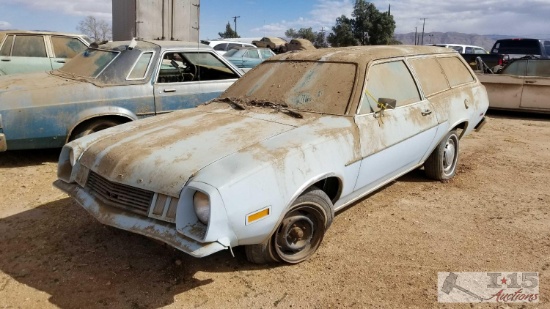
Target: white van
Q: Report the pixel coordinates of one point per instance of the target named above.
(464, 49)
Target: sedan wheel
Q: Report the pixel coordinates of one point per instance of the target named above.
(299, 234)
(441, 164)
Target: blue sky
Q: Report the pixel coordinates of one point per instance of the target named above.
(261, 17)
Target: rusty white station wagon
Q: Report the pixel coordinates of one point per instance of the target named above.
(268, 163)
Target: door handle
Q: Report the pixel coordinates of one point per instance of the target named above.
(6, 60)
(530, 81)
(169, 90)
(426, 112)
(60, 61)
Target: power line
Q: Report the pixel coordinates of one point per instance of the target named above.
(235, 21)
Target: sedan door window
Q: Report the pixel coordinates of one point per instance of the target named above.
(389, 80)
(29, 46)
(6, 48)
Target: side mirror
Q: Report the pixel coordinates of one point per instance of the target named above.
(386, 103)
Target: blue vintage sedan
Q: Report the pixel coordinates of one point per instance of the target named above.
(247, 58)
(107, 85)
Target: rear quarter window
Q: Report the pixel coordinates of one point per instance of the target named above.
(430, 75)
(455, 70)
(65, 47)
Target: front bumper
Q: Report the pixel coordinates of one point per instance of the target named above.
(159, 230)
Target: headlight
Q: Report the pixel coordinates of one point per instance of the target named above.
(201, 203)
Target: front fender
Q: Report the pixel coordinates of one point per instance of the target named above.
(101, 111)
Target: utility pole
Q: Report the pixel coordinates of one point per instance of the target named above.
(415, 35)
(235, 21)
(424, 24)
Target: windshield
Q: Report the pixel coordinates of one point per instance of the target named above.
(90, 63)
(323, 87)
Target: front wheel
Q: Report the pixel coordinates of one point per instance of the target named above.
(299, 234)
(441, 164)
(93, 126)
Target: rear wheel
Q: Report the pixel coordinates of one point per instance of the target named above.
(299, 234)
(441, 164)
(93, 126)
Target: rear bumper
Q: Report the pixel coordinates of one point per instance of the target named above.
(156, 229)
(3, 143)
(480, 124)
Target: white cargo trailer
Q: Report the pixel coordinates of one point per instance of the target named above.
(173, 20)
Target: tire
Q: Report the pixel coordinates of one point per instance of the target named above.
(441, 164)
(299, 234)
(93, 126)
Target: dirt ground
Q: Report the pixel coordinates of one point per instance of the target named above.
(383, 252)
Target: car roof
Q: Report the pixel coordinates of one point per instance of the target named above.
(154, 44)
(40, 32)
(361, 55)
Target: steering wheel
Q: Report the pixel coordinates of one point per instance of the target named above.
(191, 69)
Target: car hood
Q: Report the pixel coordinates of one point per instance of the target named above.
(162, 153)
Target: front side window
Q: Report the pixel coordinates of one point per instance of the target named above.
(391, 80)
(6, 48)
(252, 53)
(180, 67)
(266, 53)
(517, 68)
(65, 47)
(29, 46)
(538, 68)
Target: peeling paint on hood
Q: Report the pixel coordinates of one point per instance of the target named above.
(162, 155)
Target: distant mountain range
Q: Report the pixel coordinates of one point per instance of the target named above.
(485, 41)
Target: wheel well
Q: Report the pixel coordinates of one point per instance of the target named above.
(331, 186)
(462, 127)
(119, 119)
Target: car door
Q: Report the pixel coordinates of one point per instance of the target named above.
(64, 48)
(505, 89)
(27, 54)
(251, 58)
(186, 79)
(536, 85)
(392, 140)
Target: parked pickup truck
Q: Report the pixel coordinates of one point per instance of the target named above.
(505, 50)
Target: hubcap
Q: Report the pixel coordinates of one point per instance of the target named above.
(296, 233)
(449, 155)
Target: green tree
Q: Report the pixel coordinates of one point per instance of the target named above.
(368, 26)
(320, 40)
(342, 33)
(229, 32)
(302, 33)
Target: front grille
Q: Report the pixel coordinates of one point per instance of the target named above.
(119, 195)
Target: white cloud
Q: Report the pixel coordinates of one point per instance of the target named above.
(4, 25)
(96, 8)
(521, 17)
(323, 15)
